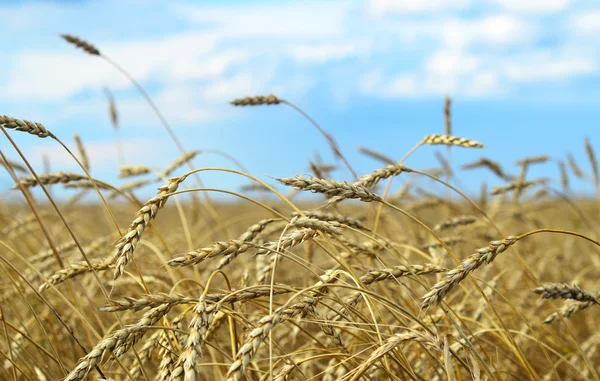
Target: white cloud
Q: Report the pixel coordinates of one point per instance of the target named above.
(380, 7)
(585, 23)
(404, 85)
(484, 83)
(302, 20)
(535, 6)
(545, 66)
(451, 63)
(497, 30)
(326, 52)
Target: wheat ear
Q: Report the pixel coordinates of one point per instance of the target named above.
(467, 266)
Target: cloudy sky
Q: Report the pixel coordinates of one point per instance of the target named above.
(524, 77)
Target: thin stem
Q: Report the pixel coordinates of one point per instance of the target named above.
(328, 137)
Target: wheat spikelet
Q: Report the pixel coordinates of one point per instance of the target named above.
(125, 246)
(445, 164)
(285, 243)
(159, 299)
(118, 342)
(376, 155)
(331, 227)
(564, 177)
(256, 101)
(454, 222)
(290, 240)
(74, 270)
(253, 231)
(229, 249)
(11, 164)
(390, 170)
(455, 276)
(517, 185)
(489, 164)
(381, 275)
(285, 372)
(386, 348)
(532, 160)
(50, 179)
(447, 115)
(328, 216)
(577, 171)
(112, 109)
(330, 188)
(145, 354)
(449, 140)
(564, 291)
(133, 170)
(134, 185)
(166, 352)
(186, 363)
(82, 154)
(264, 326)
(32, 128)
(81, 44)
(449, 241)
(568, 309)
(181, 160)
(593, 161)
(217, 319)
(321, 170)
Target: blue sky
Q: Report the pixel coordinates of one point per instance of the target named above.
(524, 77)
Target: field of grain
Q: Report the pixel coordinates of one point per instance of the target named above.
(329, 280)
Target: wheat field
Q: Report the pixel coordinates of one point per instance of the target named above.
(329, 280)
